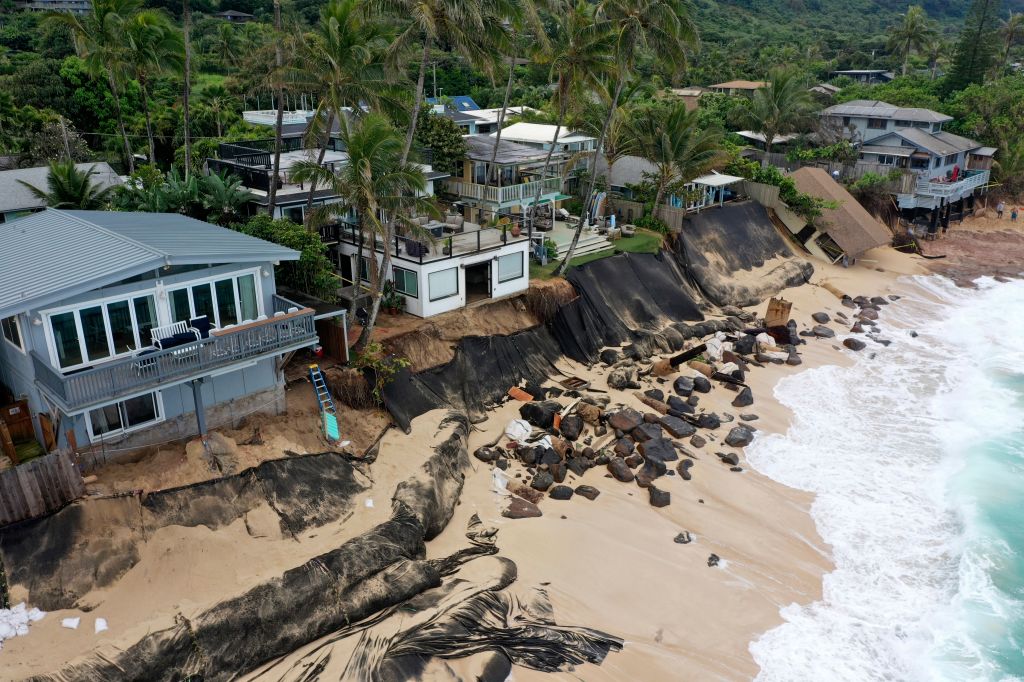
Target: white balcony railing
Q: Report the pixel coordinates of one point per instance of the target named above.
(970, 182)
(520, 193)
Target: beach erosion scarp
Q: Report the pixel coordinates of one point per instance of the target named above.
(612, 565)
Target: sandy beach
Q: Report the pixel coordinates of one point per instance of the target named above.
(610, 563)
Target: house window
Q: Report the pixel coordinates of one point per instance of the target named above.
(904, 124)
(102, 330)
(950, 160)
(125, 416)
(878, 123)
(364, 268)
(405, 282)
(886, 160)
(12, 332)
(510, 267)
(937, 162)
(846, 121)
(443, 284)
(229, 300)
(293, 214)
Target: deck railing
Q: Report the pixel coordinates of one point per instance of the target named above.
(522, 192)
(971, 180)
(128, 376)
(418, 250)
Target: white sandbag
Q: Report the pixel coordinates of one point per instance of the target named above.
(70, 623)
(728, 368)
(518, 430)
(499, 481)
(101, 625)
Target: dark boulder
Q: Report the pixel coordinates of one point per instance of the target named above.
(540, 414)
(651, 470)
(526, 454)
(794, 358)
(854, 344)
(621, 378)
(679, 405)
(587, 491)
(683, 386)
(683, 538)
(618, 468)
(486, 454)
(745, 344)
(659, 498)
(701, 384)
(730, 458)
(739, 436)
(624, 447)
(560, 492)
(646, 432)
(713, 560)
(542, 480)
(558, 471)
(822, 332)
(868, 314)
(571, 427)
(625, 419)
(634, 460)
(650, 418)
(655, 393)
(518, 508)
(698, 441)
(610, 356)
(878, 300)
(708, 420)
(744, 398)
(548, 456)
(660, 449)
(578, 465)
(749, 417)
(676, 427)
(821, 318)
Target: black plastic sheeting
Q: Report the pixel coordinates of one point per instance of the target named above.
(61, 557)
(717, 244)
(622, 299)
(365, 579)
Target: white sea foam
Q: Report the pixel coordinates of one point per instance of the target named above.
(881, 459)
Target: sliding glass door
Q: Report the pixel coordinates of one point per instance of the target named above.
(99, 331)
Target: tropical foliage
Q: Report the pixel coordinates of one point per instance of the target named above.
(70, 187)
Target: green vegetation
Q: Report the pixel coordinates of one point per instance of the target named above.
(313, 273)
(644, 241)
(71, 188)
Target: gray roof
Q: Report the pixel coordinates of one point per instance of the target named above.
(892, 150)
(940, 144)
(15, 196)
(479, 148)
(873, 108)
(52, 255)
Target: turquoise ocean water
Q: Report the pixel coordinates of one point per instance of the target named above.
(918, 468)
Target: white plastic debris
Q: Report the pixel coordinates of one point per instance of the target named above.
(518, 430)
(764, 339)
(499, 481)
(728, 368)
(369, 503)
(14, 621)
(544, 442)
(70, 623)
(101, 625)
(714, 348)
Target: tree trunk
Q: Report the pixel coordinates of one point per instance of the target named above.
(906, 58)
(501, 115)
(186, 95)
(658, 196)
(149, 124)
(377, 291)
(220, 129)
(357, 284)
(409, 134)
(120, 122)
(319, 159)
(279, 121)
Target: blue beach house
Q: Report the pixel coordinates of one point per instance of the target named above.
(141, 327)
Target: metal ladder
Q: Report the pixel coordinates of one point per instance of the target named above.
(328, 413)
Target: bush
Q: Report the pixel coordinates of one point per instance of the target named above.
(383, 367)
(649, 222)
(313, 272)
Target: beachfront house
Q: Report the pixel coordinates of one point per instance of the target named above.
(252, 162)
(17, 200)
(477, 121)
(865, 75)
(938, 167)
(743, 88)
(115, 323)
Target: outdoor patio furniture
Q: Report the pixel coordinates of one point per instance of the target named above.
(455, 222)
(171, 335)
(415, 248)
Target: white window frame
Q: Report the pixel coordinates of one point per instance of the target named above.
(21, 334)
(233, 276)
(407, 272)
(522, 267)
(51, 343)
(430, 289)
(161, 417)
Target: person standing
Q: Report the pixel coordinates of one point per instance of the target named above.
(1000, 207)
(1013, 214)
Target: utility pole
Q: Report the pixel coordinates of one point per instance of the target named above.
(64, 132)
(435, 80)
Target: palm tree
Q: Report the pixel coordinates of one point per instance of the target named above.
(468, 27)
(226, 44)
(782, 106)
(344, 58)
(382, 189)
(218, 99)
(101, 40)
(224, 197)
(71, 188)
(674, 142)
(913, 32)
(1011, 31)
(664, 28)
(156, 46)
(1009, 167)
(936, 49)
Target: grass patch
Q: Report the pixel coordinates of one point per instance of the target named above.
(201, 81)
(644, 241)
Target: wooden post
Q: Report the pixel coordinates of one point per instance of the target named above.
(6, 444)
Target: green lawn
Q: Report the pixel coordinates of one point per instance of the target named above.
(201, 81)
(644, 241)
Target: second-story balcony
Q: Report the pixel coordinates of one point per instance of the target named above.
(522, 193)
(153, 369)
(970, 181)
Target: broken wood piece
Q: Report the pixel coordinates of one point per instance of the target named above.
(517, 393)
(686, 355)
(650, 402)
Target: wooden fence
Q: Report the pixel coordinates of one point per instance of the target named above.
(38, 487)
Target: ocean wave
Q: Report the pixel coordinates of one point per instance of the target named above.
(926, 584)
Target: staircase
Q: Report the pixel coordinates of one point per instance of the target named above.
(323, 397)
(590, 242)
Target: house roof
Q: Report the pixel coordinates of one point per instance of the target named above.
(690, 91)
(850, 225)
(758, 137)
(940, 144)
(892, 150)
(740, 85)
(460, 102)
(479, 148)
(15, 196)
(55, 254)
(233, 13)
(873, 108)
(540, 133)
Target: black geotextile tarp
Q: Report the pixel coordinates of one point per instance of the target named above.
(61, 557)
(619, 298)
(716, 246)
(368, 576)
